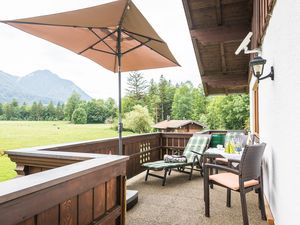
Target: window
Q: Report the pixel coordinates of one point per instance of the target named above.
(256, 108)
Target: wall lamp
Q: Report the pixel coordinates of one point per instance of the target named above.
(257, 65)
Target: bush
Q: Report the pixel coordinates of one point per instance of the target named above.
(3, 117)
(138, 120)
(79, 116)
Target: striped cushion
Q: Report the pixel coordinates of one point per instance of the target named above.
(197, 143)
(159, 165)
(231, 180)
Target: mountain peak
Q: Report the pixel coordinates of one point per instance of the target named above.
(42, 73)
(40, 85)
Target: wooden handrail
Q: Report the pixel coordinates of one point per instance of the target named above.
(60, 194)
(141, 148)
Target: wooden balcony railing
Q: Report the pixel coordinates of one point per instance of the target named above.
(140, 149)
(79, 182)
(87, 192)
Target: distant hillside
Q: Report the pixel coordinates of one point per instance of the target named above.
(41, 85)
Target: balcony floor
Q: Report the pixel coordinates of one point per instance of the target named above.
(181, 202)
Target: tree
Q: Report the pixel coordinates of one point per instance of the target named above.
(182, 104)
(41, 111)
(153, 100)
(137, 86)
(1, 109)
(60, 111)
(127, 104)
(139, 120)
(72, 103)
(79, 116)
(50, 112)
(36, 112)
(2, 114)
(214, 116)
(110, 109)
(8, 111)
(235, 111)
(95, 111)
(199, 105)
(166, 92)
(24, 112)
(11, 110)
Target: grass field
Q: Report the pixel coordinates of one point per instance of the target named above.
(22, 134)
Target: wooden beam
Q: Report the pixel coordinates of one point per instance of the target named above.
(196, 5)
(205, 87)
(198, 56)
(233, 73)
(220, 34)
(222, 80)
(219, 12)
(227, 90)
(224, 68)
(226, 83)
(188, 13)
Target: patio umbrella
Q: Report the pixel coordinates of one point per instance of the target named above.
(115, 35)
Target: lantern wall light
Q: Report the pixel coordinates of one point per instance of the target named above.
(257, 66)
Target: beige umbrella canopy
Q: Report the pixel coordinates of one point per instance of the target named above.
(93, 33)
(115, 35)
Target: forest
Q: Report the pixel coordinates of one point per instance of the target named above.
(144, 104)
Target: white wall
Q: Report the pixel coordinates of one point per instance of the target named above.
(279, 112)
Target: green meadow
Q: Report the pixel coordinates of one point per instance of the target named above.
(22, 134)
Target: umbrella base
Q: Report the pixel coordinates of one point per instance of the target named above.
(131, 198)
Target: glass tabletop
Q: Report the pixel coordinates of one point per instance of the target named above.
(222, 153)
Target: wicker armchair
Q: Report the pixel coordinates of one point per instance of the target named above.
(247, 178)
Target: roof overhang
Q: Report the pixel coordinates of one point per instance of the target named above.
(217, 28)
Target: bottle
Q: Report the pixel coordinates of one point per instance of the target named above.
(249, 139)
(232, 147)
(227, 145)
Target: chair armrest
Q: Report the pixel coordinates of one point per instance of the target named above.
(219, 167)
(234, 160)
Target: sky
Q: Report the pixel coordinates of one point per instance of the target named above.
(21, 53)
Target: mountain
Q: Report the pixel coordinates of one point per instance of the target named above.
(41, 85)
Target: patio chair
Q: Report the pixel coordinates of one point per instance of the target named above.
(193, 151)
(247, 178)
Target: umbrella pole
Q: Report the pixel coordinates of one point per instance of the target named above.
(120, 125)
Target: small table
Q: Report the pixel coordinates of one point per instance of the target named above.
(213, 153)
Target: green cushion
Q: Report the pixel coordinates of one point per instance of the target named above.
(217, 139)
(197, 143)
(159, 165)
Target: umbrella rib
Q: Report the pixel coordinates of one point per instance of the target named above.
(124, 13)
(102, 51)
(126, 32)
(49, 24)
(152, 39)
(91, 47)
(103, 40)
(138, 46)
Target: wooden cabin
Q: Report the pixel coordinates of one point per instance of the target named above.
(179, 126)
